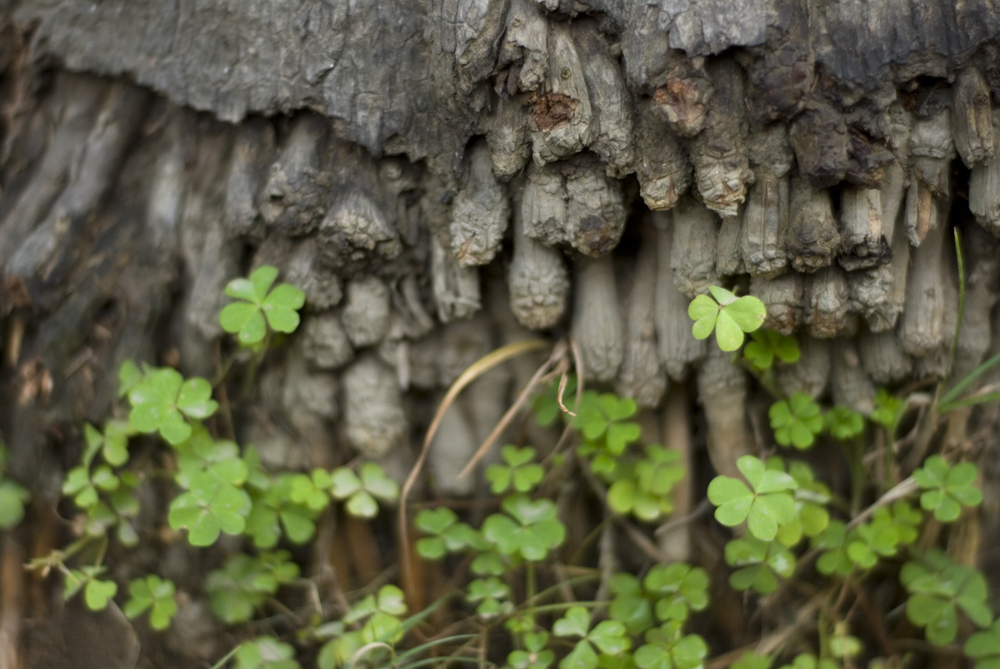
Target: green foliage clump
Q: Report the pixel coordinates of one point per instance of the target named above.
(796, 421)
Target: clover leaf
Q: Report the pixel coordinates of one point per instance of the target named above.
(112, 444)
(809, 661)
(796, 421)
(759, 562)
(96, 593)
(162, 401)
(274, 511)
(843, 423)
(667, 647)
(630, 605)
(155, 595)
(492, 594)
(534, 656)
(984, 647)
(608, 636)
(766, 345)
(520, 473)
(679, 588)
(362, 489)
(947, 489)
(605, 416)
(244, 583)
(728, 315)
(768, 506)
(210, 507)
(278, 307)
(445, 533)
(200, 453)
(83, 485)
(266, 652)
(811, 498)
(938, 587)
(530, 529)
(380, 615)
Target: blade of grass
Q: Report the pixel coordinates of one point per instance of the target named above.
(416, 650)
(969, 378)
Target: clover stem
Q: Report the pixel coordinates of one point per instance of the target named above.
(531, 585)
(255, 362)
(102, 551)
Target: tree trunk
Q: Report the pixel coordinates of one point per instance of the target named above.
(442, 178)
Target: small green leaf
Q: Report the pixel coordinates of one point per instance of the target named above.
(154, 594)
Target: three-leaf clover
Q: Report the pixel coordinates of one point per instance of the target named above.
(796, 421)
(274, 511)
(769, 505)
(947, 489)
(361, 489)
(888, 409)
(630, 605)
(266, 652)
(609, 636)
(667, 647)
(938, 587)
(728, 315)
(244, 582)
(492, 594)
(83, 485)
(210, 507)
(163, 399)
(112, 444)
(843, 423)
(766, 345)
(96, 593)
(530, 528)
(811, 498)
(520, 472)
(381, 614)
(679, 588)
(759, 562)
(154, 594)
(606, 416)
(445, 533)
(279, 307)
(534, 655)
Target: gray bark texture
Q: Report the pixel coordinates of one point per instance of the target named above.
(442, 177)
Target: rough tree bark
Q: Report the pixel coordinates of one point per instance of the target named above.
(442, 178)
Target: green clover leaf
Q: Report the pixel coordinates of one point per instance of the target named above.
(266, 652)
(759, 562)
(84, 486)
(947, 489)
(361, 490)
(809, 661)
(154, 594)
(604, 418)
(445, 533)
(630, 605)
(546, 402)
(843, 423)
(200, 453)
(520, 473)
(129, 376)
(279, 307)
(163, 399)
(608, 636)
(938, 587)
(96, 593)
(796, 421)
(210, 507)
(811, 498)
(766, 345)
(244, 583)
(492, 595)
(530, 529)
(274, 511)
(768, 506)
(679, 587)
(984, 648)
(666, 647)
(534, 656)
(113, 444)
(752, 661)
(728, 315)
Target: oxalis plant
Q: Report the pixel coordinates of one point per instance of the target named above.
(523, 587)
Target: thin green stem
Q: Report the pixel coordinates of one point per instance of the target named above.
(226, 658)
